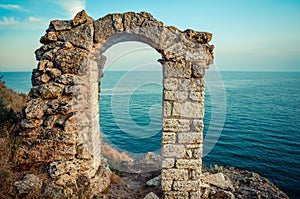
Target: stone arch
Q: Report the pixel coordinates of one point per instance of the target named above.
(60, 126)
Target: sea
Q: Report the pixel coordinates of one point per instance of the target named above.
(261, 130)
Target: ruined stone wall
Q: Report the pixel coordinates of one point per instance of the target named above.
(61, 118)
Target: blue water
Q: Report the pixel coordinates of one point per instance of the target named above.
(262, 124)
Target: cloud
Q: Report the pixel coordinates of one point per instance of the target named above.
(72, 7)
(26, 23)
(10, 6)
(6, 21)
(35, 19)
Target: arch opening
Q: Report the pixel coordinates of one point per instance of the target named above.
(130, 102)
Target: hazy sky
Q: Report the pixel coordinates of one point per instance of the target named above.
(248, 35)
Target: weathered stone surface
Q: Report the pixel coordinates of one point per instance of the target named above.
(53, 72)
(168, 163)
(190, 138)
(70, 61)
(61, 25)
(154, 181)
(80, 18)
(198, 71)
(179, 96)
(28, 184)
(34, 109)
(168, 138)
(166, 185)
(48, 38)
(151, 195)
(31, 123)
(83, 152)
(188, 163)
(167, 109)
(187, 110)
(175, 174)
(190, 185)
(50, 91)
(195, 195)
(173, 150)
(44, 65)
(218, 180)
(81, 36)
(176, 194)
(103, 29)
(170, 125)
(170, 84)
(176, 69)
(201, 37)
(195, 173)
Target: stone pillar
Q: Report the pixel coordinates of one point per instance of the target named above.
(183, 108)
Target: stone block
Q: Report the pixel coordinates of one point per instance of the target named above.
(173, 150)
(175, 174)
(184, 125)
(167, 109)
(168, 163)
(198, 71)
(170, 84)
(195, 174)
(175, 95)
(188, 163)
(197, 125)
(53, 72)
(191, 185)
(176, 195)
(197, 152)
(197, 96)
(168, 138)
(195, 195)
(176, 69)
(50, 91)
(34, 108)
(81, 36)
(187, 110)
(170, 125)
(192, 84)
(103, 29)
(166, 185)
(190, 138)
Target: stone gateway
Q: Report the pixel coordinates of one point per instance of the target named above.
(60, 127)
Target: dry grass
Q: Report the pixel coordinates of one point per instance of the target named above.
(11, 104)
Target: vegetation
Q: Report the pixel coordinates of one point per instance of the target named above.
(11, 104)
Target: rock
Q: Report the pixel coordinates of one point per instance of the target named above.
(83, 152)
(53, 191)
(34, 109)
(151, 195)
(61, 25)
(80, 18)
(31, 123)
(53, 72)
(219, 180)
(154, 181)
(50, 91)
(198, 71)
(81, 36)
(29, 183)
(48, 38)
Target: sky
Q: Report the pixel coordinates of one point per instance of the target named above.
(249, 35)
